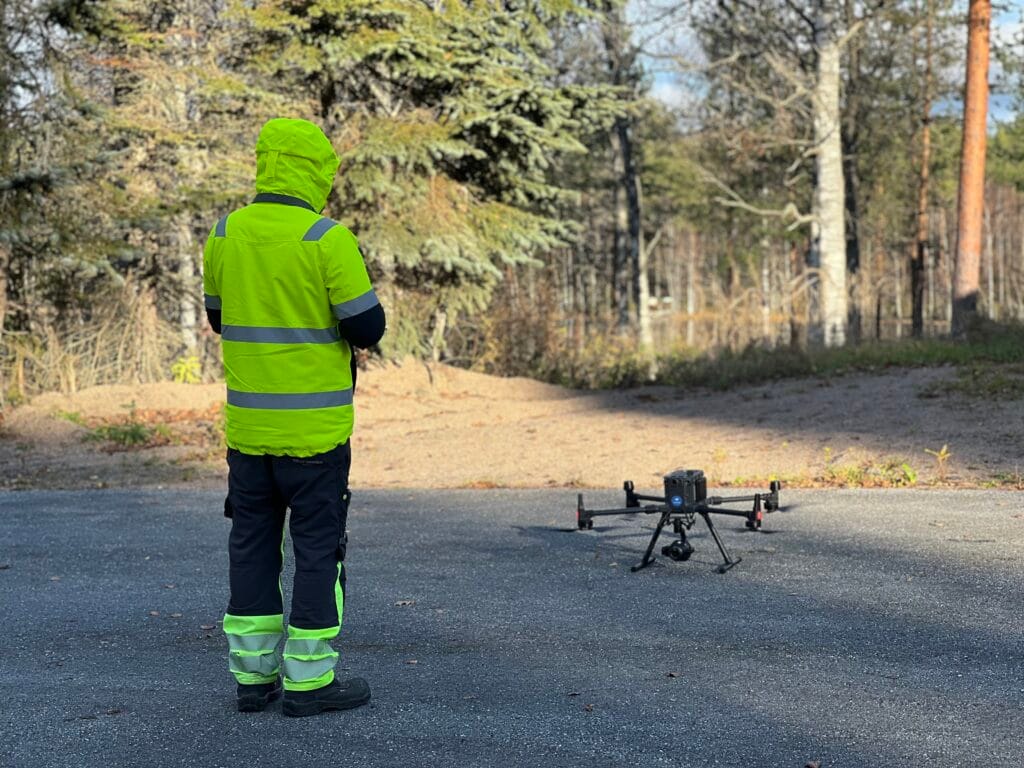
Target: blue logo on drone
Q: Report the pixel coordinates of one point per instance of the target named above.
(677, 501)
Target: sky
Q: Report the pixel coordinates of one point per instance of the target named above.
(1007, 32)
(659, 32)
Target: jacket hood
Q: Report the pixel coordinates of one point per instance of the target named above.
(293, 157)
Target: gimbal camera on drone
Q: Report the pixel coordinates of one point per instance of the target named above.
(686, 497)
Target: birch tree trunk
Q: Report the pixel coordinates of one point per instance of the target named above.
(850, 138)
(620, 269)
(5, 261)
(766, 295)
(788, 336)
(691, 288)
(898, 296)
(990, 272)
(184, 113)
(1001, 275)
(945, 257)
(673, 271)
(185, 245)
(829, 226)
(437, 342)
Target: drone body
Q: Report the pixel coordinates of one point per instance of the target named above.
(685, 497)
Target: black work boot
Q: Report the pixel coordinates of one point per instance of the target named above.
(254, 698)
(347, 694)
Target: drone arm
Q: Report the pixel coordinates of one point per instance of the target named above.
(644, 497)
(770, 499)
(585, 517)
(713, 501)
(708, 509)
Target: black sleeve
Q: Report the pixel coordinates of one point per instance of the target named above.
(365, 329)
(213, 315)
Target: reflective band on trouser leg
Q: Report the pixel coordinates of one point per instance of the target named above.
(308, 657)
(252, 643)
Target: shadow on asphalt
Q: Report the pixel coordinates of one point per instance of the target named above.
(493, 637)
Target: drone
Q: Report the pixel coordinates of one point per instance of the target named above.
(685, 497)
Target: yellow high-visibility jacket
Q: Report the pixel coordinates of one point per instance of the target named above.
(282, 276)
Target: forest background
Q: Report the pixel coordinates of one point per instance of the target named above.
(592, 193)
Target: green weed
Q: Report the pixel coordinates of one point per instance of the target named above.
(869, 473)
(131, 433)
(73, 416)
(128, 435)
(187, 370)
(941, 459)
(1012, 480)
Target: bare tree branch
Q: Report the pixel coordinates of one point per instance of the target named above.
(654, 242)
(732, 199)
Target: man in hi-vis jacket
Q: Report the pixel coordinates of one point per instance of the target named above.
(288, 292)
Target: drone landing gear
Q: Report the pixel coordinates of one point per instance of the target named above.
(729, 562)
(681, 549)
(685, 497)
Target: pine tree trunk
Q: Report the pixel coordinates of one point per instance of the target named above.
(637, 254)
(972, 170)
(621, 60)
(829, 227)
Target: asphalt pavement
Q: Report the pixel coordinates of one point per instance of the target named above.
(870, 628)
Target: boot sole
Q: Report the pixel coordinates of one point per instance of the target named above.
(257, 703)
(305, 709)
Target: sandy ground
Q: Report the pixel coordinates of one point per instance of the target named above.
(442, 427)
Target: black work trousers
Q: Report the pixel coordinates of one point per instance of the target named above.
(315, 489)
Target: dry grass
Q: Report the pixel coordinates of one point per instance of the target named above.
(125, 342)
